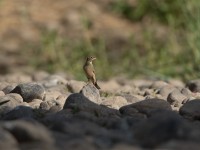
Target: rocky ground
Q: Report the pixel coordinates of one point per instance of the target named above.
(43, 111)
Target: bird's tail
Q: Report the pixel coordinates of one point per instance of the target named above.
(96, 85)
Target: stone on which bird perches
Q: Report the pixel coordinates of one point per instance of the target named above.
(92, 93)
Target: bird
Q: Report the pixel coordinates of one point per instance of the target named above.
(90, 72)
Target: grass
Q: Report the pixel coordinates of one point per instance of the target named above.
(177, 56)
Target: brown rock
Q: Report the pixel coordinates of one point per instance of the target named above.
(158, 84)
(176, 98)
(2, 93)
(114, 102)
(7, 141)
(75, 86)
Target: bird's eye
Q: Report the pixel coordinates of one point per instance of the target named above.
(91, 57)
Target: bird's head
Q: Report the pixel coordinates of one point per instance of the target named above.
(90, 58)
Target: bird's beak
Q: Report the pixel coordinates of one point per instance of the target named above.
(94, 58)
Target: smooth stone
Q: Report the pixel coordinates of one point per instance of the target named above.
(30, 91)
(176, 98)
(26, 131)
(9, 102)
(146, 106)
(18, 113)
(191, 109)
(114, 102)
(92, 93)
(159, 128)
(194, 85)
(75, 86)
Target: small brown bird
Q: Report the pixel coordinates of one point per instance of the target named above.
(90, 72)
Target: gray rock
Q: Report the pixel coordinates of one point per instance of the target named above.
(186, 92)
(147, 106)
(8, 89)
(25, 131)
(194, 85)
(75, 86)
(7, 141)
(30, 91)
(92, 93)
(191, 109)
(179, 144)
(176, 98)
(166, 90)
(46, 105)
(9, 102)
(160, 128)
(78, 102)
(19, 112)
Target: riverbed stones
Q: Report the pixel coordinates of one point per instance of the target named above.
(122, 114)
(30, 91)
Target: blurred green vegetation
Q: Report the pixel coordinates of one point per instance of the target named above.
(177, 56)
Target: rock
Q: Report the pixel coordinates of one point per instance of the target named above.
(109, 86)
(19, 112)
(46, 105)
(179, 144)
(30, 91)
(114, 102)
(92, 93)
(147, 106)
(191, 109)
(40, 75)
(7, 141)
(176, 98)
(53, 80)
(35, 103)
(125, 147)
(141, 83)
(158, 84)
(160, 128)
(27, 132)
(132, 98)
(17, 78)
(3, 84)
(186, 92)
(176, 83)
(61, 99)
(166, 90)
(2, 93)
(9, 102)
(75, 86)
(194, 85)
(8, 89)
(51, 95)
(78, 102)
